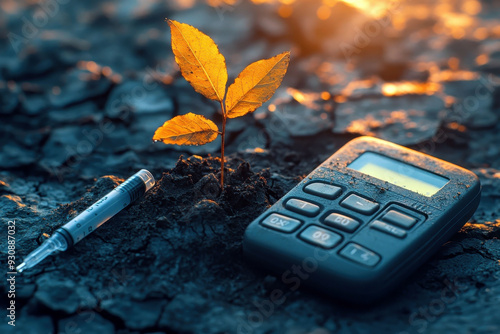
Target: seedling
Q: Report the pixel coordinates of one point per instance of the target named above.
(204, 67)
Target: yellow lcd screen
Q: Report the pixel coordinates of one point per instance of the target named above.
(399, 173)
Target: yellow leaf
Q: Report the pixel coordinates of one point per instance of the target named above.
(255, 85)
(189, 129)
(201, 63)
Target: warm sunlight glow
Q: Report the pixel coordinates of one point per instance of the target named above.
(324, 12)
(482, 59)
(90, 66)
(375, 9)
(481, 33)
(457, 23)
(16, 199)
(458, 20)
(450, 75)
(471, 7)
(285, 11)
(307, 99)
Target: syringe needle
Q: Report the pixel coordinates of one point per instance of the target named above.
(53, 244)
(21, 267)
(89, 220)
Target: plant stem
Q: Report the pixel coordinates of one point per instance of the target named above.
(222, 146)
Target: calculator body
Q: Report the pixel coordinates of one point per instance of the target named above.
(354, 236)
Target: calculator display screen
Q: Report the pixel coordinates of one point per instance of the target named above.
(399, 173)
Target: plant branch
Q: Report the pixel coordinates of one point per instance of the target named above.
(223, 135)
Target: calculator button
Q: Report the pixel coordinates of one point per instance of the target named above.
(281, 223)
(320, 237)
(399, 219)
(389, 229)
(323, 190)
(302, 207)
(360, 204)
(342, 222)
(360, 254)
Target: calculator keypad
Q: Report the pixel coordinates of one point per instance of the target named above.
(400, 219)
(388, 228)
(322, 189)
(342, 222)
(360, 254)
(281, 223)
(321, 237)
(394, 221)
(360, 204)
(303, 207)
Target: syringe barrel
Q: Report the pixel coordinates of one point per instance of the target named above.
(108, 206)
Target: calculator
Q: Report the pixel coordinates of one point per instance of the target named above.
(363, 221)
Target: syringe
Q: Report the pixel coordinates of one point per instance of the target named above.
(89, 220)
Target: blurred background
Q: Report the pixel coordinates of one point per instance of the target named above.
(84, 85)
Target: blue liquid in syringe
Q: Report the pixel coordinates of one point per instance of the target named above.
(89, 220)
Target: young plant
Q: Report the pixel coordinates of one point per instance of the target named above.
(204, 67)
